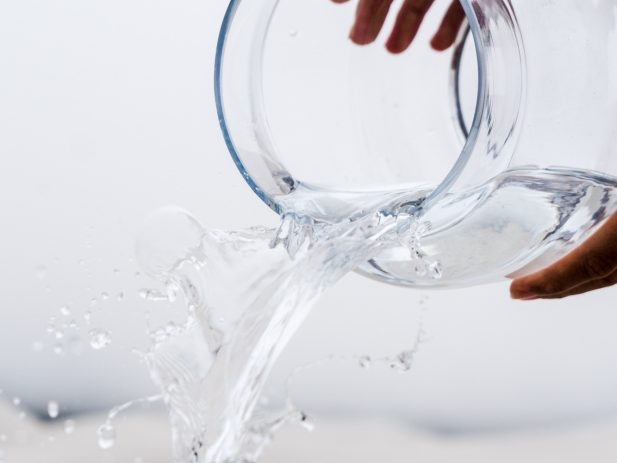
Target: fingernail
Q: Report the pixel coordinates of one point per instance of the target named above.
(524, 296)
(358, 33)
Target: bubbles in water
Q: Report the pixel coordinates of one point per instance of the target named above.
(99, 338)
(106, 435)
(65, 310)
(69, 426)
(435, 270)
(153, 295)
(53, 409)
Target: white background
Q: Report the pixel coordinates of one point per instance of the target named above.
(106, 113)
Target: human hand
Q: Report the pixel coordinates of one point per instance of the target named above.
(591, 266)
(371, 15)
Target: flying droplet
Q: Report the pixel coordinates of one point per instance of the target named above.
(65, 310)
(307, 422)
(120, 296)
(53, 409)
(40, 272)
(104, 296)
(293, 33)
(106, 436)
(16, 401)
(69, 426)
(99, 338)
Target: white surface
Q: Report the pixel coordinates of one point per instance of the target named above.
(106, 113)
(145, 436)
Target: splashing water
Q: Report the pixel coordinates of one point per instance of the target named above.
(247, 292)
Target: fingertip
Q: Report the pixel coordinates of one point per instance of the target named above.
(521, 291)
(395, 47)
(439, 44)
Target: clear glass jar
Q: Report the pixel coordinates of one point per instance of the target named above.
(505, 145)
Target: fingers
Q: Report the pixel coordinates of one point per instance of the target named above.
(408, 21)
(590, 266)
(448, 30)
(370, 17)
(593, 285)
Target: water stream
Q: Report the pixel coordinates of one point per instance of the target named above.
(247, 292)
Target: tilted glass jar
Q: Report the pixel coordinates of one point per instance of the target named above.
(506, 144)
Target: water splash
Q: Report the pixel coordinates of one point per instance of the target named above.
(246, 293)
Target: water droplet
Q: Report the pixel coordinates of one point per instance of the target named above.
(16, 401)
(69, 426)
(87, 316)
(365, 361)
(73, 324)
(307, 422)
(58, 349)
(293, 33)
(106, 436)
(59, 334)
(93, 301)
(120, 296)
(104, 296)
(40, 272)
(51, 328)
(172, 292)
(65, 310)
(435, 270)
(53, 409)
(99, 338)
